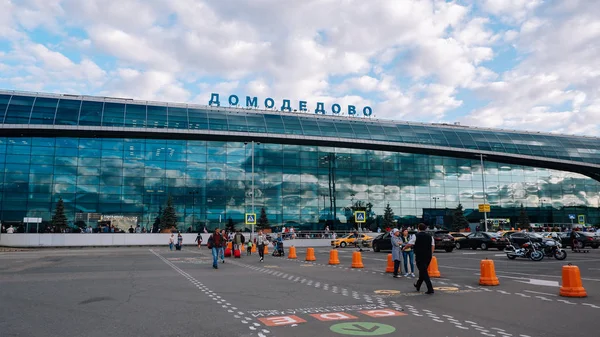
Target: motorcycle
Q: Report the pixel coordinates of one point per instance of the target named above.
(529, 250)
(553, 248)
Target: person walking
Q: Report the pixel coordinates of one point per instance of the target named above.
(171, 241)
(223, 245)
(423, 246)
(396, 249)
(199, 239)
(215, 243)
(408, 255)
(179, 241)
(261, 240)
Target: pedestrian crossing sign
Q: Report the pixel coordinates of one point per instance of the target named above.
(360, 216)
(250, 218)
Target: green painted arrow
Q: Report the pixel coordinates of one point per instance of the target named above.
(362, 329)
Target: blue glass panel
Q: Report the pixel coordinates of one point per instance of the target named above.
(217, 121)
(157, 117)
(19, 110)
(256, 123)
(114, 114)
(274, 123)
(178, 118)
(237, 122)
(4, 99)
(135, 116)
(67, 112)
(91, 113)
(44, 111)
(198, 119)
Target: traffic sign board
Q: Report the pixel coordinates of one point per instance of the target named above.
(484, 208)
(360, 216)
(362, 329)
(581, 219)
(572, 216)
(250, 218)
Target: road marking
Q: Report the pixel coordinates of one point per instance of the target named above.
(205, 290)
(591, 305)
(499, 273)
(499, 254)
(333, 316)
(281, 320)
(446, 288)
(387, 292)
(469, 253)
(565, 301)
(539, 293)
(541, 282)
(362, 329)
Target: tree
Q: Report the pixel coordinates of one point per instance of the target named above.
(59, 219)
(156, 224)
(523, 219)
(388, 217)
(459, 221)
(263, 221)
(168, 219)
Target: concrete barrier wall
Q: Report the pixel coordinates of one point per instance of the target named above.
(121, 239)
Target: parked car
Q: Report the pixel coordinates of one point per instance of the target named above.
(349, 240)
(443, 240)
(483, 240)
(458, 236)
(384, 242)
(584, 239)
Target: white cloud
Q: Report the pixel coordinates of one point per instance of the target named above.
(418, 60)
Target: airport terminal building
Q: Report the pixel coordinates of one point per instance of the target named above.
(110, 158)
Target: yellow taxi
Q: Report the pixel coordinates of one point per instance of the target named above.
(350, 239)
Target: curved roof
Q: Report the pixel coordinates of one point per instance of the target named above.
(38, 113)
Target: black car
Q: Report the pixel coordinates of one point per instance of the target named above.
(519, 238)
(584, 239)
(483, 240)
(443, 240)
(384, 242)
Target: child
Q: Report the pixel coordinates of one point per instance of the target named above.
(249, 248)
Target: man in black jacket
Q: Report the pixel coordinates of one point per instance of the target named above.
(424, 245)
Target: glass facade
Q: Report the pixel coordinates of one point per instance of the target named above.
(18, 108)
(211, 182)
(132, 173)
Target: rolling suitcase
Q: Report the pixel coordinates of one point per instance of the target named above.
(237, 253)
(177, 247)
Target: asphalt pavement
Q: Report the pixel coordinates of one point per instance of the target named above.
(157, 292)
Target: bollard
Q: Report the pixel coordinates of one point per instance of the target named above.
(357, 260)
(292, 253)
(488, 273)
(333, 257)
(432, 269)
(571, 282)
(310, 254)
(390, 264)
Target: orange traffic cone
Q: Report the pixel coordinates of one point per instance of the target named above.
(357, 260)
(230, 245)
(390, 264)
(266, 251)
(571, 282)
(432, 270)
(292, 254)
(333, 257)
(488, 274)
(253, 249)
(310, 254)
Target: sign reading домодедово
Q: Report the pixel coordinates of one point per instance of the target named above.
(269, 103)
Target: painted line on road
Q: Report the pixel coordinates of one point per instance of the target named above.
(541, 282)
(539, 293)
(499, 273)
(214, 296)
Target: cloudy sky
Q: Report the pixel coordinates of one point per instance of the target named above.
(514, 64)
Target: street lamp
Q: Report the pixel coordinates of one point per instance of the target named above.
(252, 190)
(435, 199)
(481, 155)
